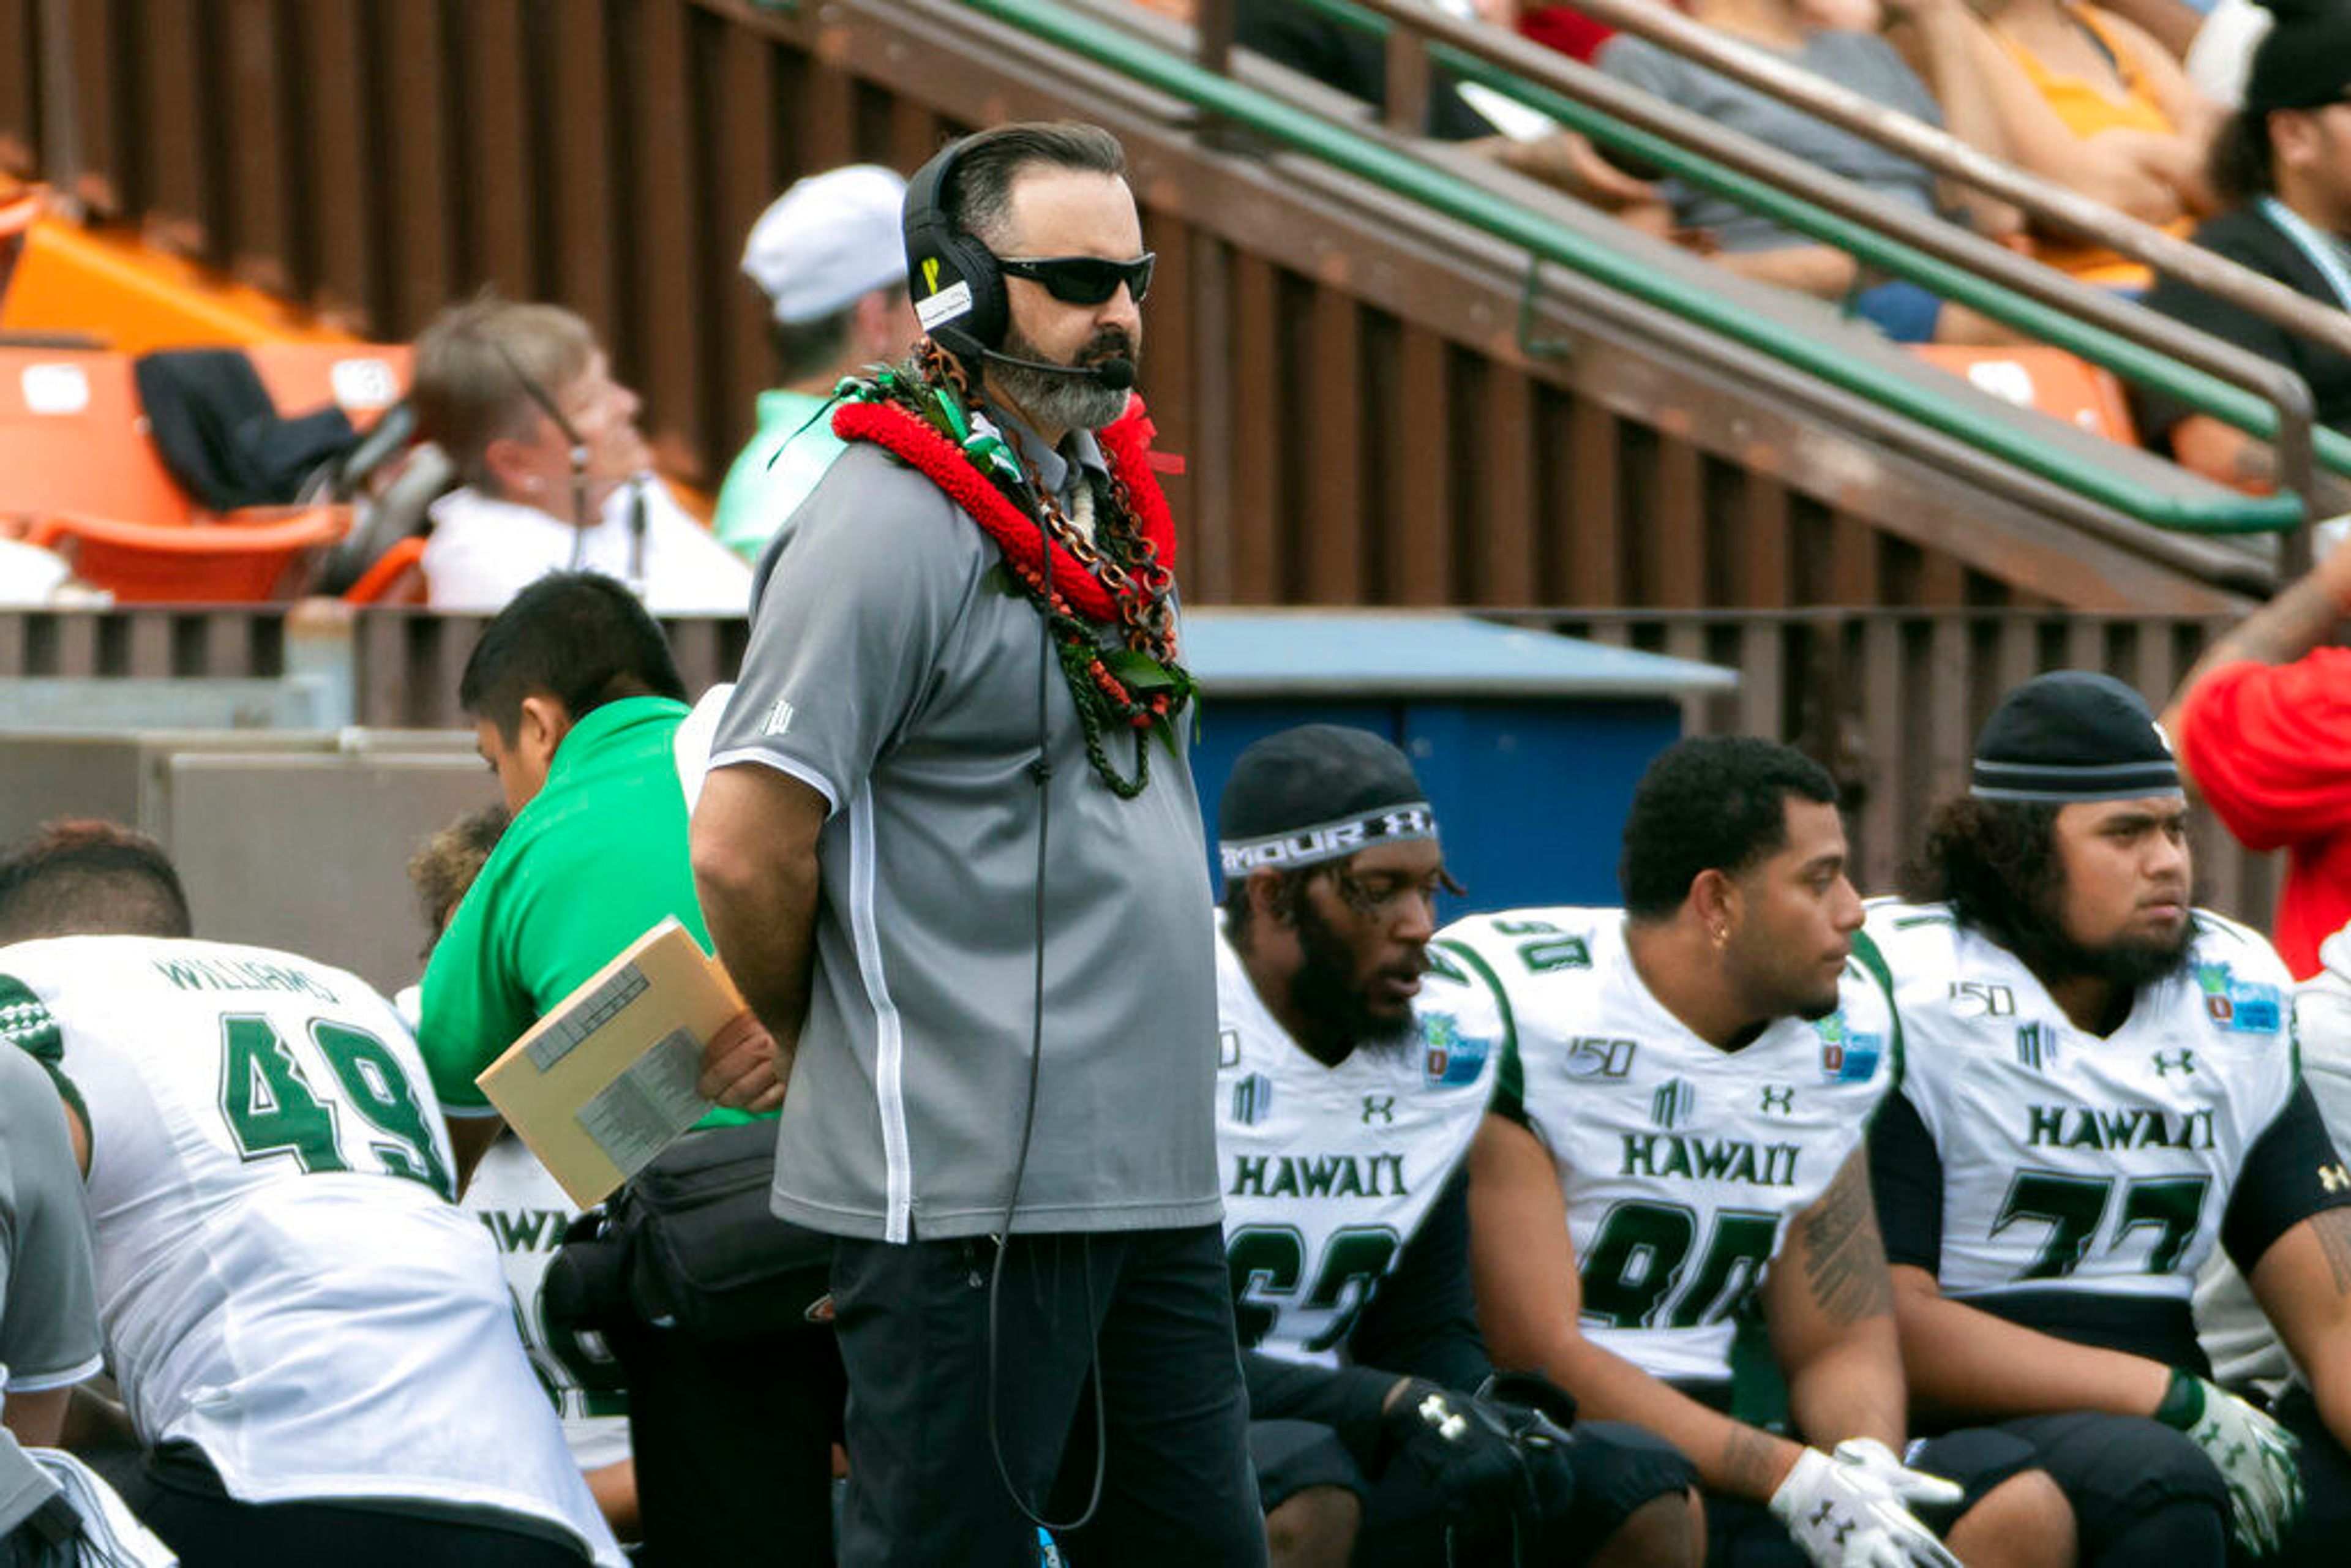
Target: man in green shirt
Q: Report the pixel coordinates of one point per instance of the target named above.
(575, 702)
(827, 254)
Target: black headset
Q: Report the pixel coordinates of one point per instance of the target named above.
(942, 259)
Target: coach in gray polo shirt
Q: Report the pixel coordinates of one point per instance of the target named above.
(872, 846)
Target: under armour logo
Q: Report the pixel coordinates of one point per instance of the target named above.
(2334, 1177)
(2168, 1063)
(1779, 1100)
(1379, 1108)
(1438, 1414)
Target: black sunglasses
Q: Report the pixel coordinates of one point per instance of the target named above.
(1083, 279)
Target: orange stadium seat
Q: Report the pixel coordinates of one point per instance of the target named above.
(396, 578)
(362, 378)
(72, 439)
(2051, 380)
(229, 562)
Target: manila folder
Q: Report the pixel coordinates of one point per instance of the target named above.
(600, 1085)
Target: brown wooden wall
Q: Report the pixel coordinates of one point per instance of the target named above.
(1360, 423)
(1890, 699)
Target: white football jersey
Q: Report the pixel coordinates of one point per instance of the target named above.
(1680, 1163)
(2072, 1162)
(283, 1278)
(1329, 1171)
(525, 1211)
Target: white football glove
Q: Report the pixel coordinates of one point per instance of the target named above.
(1851, 1508)
(2254, 1455)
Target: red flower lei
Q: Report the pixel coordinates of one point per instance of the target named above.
(1123, 445)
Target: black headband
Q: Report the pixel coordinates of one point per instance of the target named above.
(1329, 841)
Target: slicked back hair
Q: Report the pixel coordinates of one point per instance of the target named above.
(1716, 803)
(575, 636)
(466, 390)
(86, 877)
(978, 200)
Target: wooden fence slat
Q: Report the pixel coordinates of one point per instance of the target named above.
(1423, 507)
(178, 148)
(20, 86)
(417, 164)
(1331, 545)
(583, 175)
(265, 244)
(1505, 564)
(1589, 482)
(338, 115)
(498, 189)
(1259, 575)
(663, 205)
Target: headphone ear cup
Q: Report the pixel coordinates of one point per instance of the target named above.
(992, 308)
(939, 256)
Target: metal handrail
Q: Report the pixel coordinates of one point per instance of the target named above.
(1443, 190)
(1698, 149)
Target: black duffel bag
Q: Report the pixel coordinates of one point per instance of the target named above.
(700, 1253)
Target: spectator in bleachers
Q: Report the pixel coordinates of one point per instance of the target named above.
(2087, 100)
(554, 474)
(1293, 34)
(1866, 63)
(828, 256)
(2282, 165)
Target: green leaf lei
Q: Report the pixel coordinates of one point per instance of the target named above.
(1135, 683)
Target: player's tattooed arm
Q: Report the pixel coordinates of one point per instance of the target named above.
(2304, 1284)
(1830, 1306)
(1843, 1257)
(1752, 1462)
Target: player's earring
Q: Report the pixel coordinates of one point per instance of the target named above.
(1721, 935)
(533, 485)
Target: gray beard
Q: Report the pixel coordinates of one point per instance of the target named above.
(1074, 403)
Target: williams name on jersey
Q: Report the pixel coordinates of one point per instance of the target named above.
(283, 1280)
(1329, 1171)
(1680, 1163)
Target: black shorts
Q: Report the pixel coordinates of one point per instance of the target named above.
(2114, 1469)
(181, 1499)
(2326, 1525)
(1587, 1491)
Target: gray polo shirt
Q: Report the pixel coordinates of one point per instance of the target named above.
(892, 669)
(48, 1314)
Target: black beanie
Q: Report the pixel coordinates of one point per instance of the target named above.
(1316, 793)
(2304, 62)
(2072, 734)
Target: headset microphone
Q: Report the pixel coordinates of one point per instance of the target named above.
(1115, 374)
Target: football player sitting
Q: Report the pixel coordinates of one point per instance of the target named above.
(1355, 1067)
(1677, 1139)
